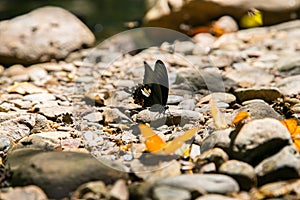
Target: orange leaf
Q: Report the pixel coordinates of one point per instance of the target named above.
(240, 117)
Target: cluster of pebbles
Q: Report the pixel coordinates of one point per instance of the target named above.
(69, 129)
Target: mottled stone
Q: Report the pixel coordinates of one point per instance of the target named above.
(41, 35)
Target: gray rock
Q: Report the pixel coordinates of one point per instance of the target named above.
(208, 79)
(219, 138)
(26, 192)
(266, 94)
(114, 115)
(59, 173)
(289, 85)
(202, 183)
(5, 144)
(250, 76)
(37, 74)
(188, 104)
(152, 168)
(289, 65)
(258, 109)
(259, 139)
(167, 192)
(215, 155)
(41, 35)
(94, 117)
(19, 127)
(242, 172)
(174, 99)
(284, 165)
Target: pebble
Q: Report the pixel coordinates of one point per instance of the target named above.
(202, 183)
(219, 138)
(284, 165)
(242, 172)
(215, 197)
(26, 192)
(91, 190)
(251, 76)
(289, 85)
(266, 94)
(5, 144)
(119, 190)
(258, 109)
(259, 139)
(167, 192)
(94, 117)
(39, 97)
(57, 169)
(215, 155)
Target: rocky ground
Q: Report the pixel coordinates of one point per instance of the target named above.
(69, 128)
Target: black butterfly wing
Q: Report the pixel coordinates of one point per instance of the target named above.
(158, 83)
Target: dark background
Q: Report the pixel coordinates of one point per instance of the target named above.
(103, 17)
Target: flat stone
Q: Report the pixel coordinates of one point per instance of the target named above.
(25, 88)
(242, 172)
(215, 197)
(93, 189)
(289, 85)
(94, 117)
(215, 155)
(26, 192)
(266, 94)
(47, 33)
(251, 76)
(167, 192)
(219, 138)
(284, 165)
(259, 139)
(119, 190)
(39, 97)
(258, 109)
(59, 173)
(202, 183)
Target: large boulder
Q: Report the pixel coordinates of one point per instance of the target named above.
(42, 35)
(173, 13)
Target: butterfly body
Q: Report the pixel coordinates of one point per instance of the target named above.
(155, 87)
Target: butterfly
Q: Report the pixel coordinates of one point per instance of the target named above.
(155, 87)
(292, 126)
(157, 145)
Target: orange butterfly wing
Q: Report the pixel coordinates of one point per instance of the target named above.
(294, 129)
(171, 147)
(218, 117)
(153, 143)
(240, 117)
(290, 124)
